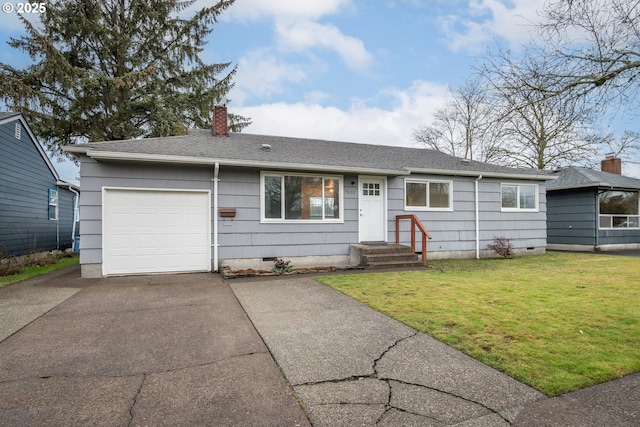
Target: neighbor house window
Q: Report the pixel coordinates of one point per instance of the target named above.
(519, 197)
(619, 209)
(291, 197)
(427, 195)
(53, 205)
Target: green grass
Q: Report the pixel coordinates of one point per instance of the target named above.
(32, 272)
(558, 322)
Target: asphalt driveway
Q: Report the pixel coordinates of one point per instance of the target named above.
(152, 350)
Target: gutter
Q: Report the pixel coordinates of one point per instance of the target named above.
(537, 177)
(168, 158)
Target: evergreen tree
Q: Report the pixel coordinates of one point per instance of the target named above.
(117, 69)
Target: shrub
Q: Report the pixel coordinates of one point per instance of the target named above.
(9, 265)
(502, 246)
(281, 266)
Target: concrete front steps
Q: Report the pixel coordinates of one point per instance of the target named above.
(383, 256)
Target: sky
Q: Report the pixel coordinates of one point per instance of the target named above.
(365, 71)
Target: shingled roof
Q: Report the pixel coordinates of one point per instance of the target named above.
(263, 151)
(580, 177)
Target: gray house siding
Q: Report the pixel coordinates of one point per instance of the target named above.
(619, 237)
(571, 218)
(246, 237)
(96, 175)
(25, 181)
(454, 232)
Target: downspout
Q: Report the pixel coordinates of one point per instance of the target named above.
(75, 218)
(215, 180)
(58, 218)
(477, 211)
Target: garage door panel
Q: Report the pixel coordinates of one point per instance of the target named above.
(149, 231)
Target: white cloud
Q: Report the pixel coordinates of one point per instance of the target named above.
(631, 169)
(301, 36)
(261, 73)
(297, 30)
(408, 109)
(249, 10)
(485, 20)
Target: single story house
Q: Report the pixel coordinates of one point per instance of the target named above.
(591, 210)
(38, 211)
(210, 198)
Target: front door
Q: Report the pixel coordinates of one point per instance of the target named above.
(372, 207)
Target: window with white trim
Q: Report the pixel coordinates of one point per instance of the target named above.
(428, 195)
(519, 197)
(301, 197)
(53, 205)
(619, 209)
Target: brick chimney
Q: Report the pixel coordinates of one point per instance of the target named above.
(611, 164)
(219, 122)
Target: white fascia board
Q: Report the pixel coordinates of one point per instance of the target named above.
(596, 185)
(75, 149)
(68, 185)
(188, 160)
(540, 177)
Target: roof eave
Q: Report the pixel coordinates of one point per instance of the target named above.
(596, 185)
(208, 161)
(472, 173)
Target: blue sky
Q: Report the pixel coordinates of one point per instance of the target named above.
(364, 71)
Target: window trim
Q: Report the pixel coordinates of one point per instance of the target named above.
(282, 220)
(518, 208)
(618, 215)
(52, 205)
(427, 182)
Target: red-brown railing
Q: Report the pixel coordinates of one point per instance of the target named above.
(415, 221)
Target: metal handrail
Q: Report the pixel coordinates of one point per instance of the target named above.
(415, 221)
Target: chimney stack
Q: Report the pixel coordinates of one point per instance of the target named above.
(611, 164)
(219, 122)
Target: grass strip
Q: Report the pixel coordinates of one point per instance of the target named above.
(558, 322)
(31, 272)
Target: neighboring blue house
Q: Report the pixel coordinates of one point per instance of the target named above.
(591, 210)
(200, 201)
(37, 209)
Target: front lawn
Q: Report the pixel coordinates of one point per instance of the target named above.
(558, 322)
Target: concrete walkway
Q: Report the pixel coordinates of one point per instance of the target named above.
(352, 366)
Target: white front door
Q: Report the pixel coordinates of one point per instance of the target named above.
(372, 206)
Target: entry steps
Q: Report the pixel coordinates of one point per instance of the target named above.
(383, 255)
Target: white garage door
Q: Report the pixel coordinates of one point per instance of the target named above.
(149, 231)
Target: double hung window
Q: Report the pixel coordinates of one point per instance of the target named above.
(53, 205)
